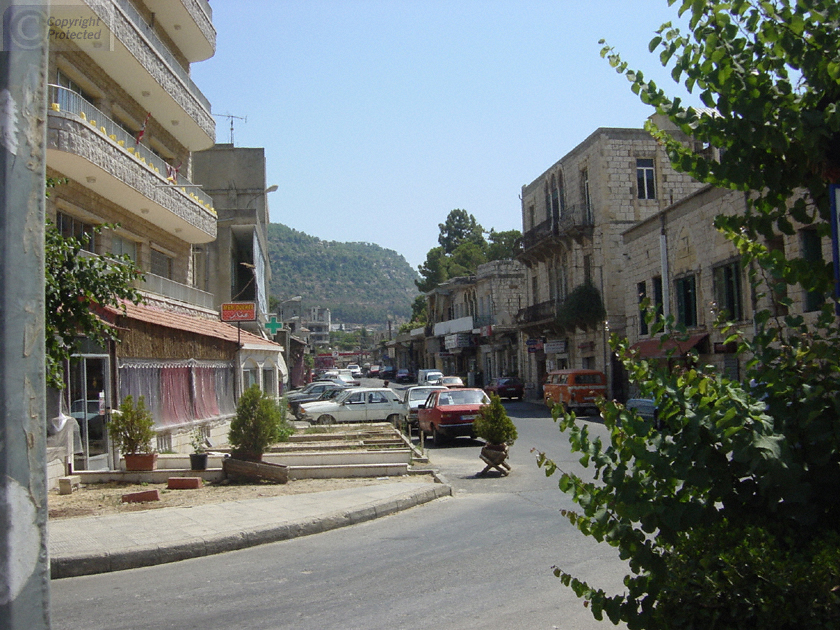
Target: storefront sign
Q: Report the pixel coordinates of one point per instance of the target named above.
(556, 346)
(534, 345)
(458, 340)
(239, 312)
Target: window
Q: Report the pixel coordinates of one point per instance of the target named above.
(641, 291)
(70, 227)
(657, 297)
(534, 289)
(587, 199)
(532, 216)
(249, 378)
(587, 269)
(645, 179)
(124, 247)
(686, 289)
(161, 264)
(812, 252)
(727, 285)
(269, 385)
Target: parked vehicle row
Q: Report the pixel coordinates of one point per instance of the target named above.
(356, 404)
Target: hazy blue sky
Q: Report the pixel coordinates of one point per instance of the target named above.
(380, 116)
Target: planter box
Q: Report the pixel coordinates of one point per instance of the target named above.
(140, 461)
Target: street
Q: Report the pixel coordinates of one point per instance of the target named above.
(480, 558)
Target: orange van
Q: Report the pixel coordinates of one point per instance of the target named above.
(576, 390)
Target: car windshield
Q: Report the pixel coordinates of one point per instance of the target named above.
(463, 397)
(420, 393)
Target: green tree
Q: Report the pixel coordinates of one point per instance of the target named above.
(726, 511)
(460, 227)
(433, 272)
(465, 260)
(503, 245)
(75, 284)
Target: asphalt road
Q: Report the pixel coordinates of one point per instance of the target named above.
(482, 558)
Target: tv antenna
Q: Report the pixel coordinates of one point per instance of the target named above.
(231, 118)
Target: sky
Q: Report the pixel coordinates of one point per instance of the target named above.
(379, 117)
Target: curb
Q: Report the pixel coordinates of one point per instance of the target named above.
(92, 564)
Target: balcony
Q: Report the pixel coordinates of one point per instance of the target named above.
(137, 59)
(175, 291)
(189, 23)
(541, 313)
(85, 145)
(575, 222)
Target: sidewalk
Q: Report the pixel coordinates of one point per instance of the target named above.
(85, 546)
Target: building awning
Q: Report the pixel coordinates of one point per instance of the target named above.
(657, 349)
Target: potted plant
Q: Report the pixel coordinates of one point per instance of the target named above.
(259, 422)
(132, 429)
(495, 427)
(198, 458)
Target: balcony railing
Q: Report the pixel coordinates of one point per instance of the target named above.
(175, 290)
(537, 312)
(148, 32)
(67, 101)
(571, 219)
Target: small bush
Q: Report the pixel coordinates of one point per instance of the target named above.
(493, 424)
(259, 423)
(132, 426)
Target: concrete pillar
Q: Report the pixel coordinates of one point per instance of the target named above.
(24, 565)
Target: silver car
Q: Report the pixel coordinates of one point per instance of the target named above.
(357, 404)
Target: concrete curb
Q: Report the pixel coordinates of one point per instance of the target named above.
(94, 563)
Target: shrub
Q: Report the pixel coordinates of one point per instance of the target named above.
(132, 426)
(493, 424)
(259, 422)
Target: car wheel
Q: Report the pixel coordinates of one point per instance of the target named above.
(438, 437)
(326, 419)
(394, 419)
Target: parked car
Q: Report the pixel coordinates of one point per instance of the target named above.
(355, 370)
(404, 376)
(357, 404)
(452, 381)
(311, 392)
(506, 387)
(450, 413)
(416, 396)
(347, 377)
(328, 394)
(576, 390)
(429, 377)
(373, 371)
(387, 373)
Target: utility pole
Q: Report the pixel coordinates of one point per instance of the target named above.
(24, 562)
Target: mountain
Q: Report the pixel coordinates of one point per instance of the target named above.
(361, 283)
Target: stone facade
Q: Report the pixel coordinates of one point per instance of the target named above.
(573, 217)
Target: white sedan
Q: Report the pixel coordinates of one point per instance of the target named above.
(359, 404)
(416, 396)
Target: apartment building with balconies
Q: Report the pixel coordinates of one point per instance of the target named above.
(573, 217)
(124, 119)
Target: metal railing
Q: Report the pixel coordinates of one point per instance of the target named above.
(537, 312)
(63, 100)
(571, 219)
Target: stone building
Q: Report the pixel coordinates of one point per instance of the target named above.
(573, 218)
(471, 329)
(124, 119)
(686, 268)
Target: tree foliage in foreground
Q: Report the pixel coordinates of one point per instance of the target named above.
(728, 511)
(74, 283)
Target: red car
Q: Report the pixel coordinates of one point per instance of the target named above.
(506, 387)
(447, 414)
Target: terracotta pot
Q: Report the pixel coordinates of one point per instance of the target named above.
(140, 461)
(198, 461)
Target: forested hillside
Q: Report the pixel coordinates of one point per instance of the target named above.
(360, 283)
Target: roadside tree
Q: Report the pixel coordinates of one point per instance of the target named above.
(727, 509)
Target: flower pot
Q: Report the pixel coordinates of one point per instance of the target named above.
(140, 461)
(495, 453)
(198, 461)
